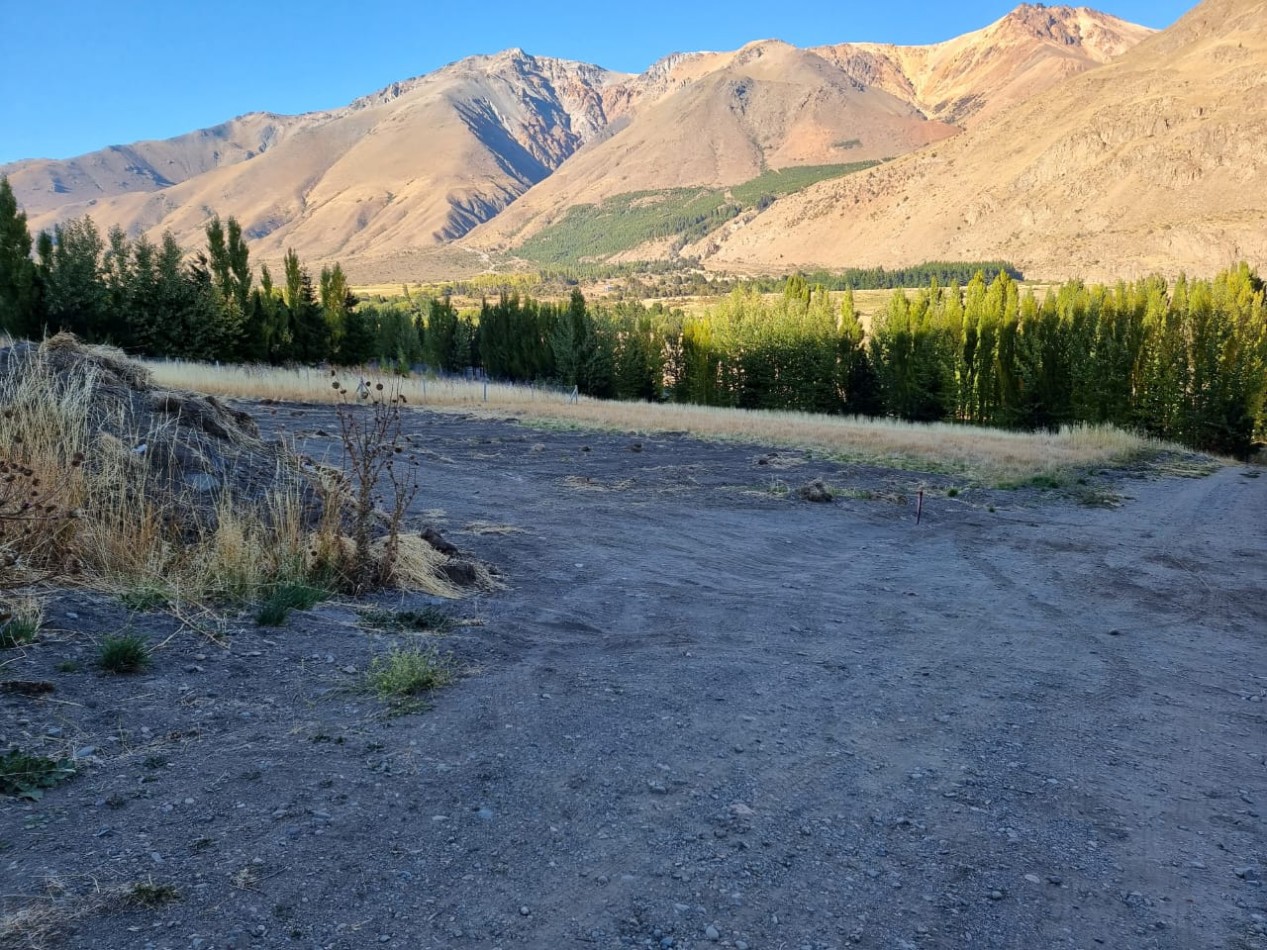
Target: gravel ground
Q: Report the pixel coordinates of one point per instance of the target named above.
(703, 712)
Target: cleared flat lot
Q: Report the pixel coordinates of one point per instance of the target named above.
(706, 713)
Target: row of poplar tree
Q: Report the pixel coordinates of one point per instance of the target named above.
(1186, 361)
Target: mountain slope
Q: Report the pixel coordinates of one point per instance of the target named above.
(47, 185)
(718, 119)
(721, 120)
(489, 151)
(971, 77)
(418, 163)
(1152, 162)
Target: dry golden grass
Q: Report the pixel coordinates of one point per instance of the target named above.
(985, 454)
(124, 536)
(491, 527)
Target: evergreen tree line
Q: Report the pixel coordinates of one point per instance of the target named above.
(1185, 362)
(157, 300)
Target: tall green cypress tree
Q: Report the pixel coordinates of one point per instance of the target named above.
(75, 297)
(19, 282)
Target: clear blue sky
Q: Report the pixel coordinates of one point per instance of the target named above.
(78, 75)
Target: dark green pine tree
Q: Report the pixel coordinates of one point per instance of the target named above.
(443, 344)
(168, 321)
(70, 264)
(359, 342)
(142, 315)
(308, 324)
(19, 281)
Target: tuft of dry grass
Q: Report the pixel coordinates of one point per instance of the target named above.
(48, 919)
(980, 453)
(104, 518)
(491, 527)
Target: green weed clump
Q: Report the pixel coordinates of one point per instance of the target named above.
(403, 677)
(123, 654)
(27, 776)
(423, 620)
(145, 597)
(20, 622)
(287, 597)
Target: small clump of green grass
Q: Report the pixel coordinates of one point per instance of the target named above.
(287, 597)
(124, 654)
(423, 620)
(27, 776)
(145, 598)
(403, 677)
(20, 622)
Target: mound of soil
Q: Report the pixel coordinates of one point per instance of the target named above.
(190, 451)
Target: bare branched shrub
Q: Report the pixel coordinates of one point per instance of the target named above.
(384, 480)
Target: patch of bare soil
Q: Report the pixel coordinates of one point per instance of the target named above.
(704, 712)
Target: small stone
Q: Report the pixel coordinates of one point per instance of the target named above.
(996, 895)
(712, 933)
(1033, 878)
(524, 911)
(1249, 873)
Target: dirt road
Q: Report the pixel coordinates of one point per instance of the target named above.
(708, 714)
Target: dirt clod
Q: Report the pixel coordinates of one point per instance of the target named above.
(433, 537)
(815, 491)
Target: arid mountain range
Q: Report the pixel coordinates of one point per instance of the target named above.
(1153, 162)
(1060, 138)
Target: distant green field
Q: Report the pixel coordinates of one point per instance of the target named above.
(594, 232)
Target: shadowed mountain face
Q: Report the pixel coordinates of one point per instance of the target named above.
(420, 162)
(503, 145)
(1153, 162)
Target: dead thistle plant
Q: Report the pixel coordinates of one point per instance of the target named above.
(384, 479)
(35, 526)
